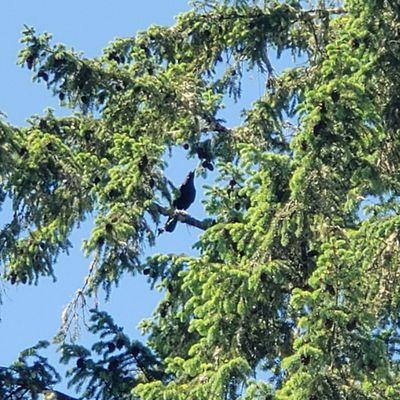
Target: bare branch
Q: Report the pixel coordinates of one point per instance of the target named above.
(184, 217)
(56, 395)
(336, 11)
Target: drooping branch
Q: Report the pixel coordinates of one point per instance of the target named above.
(22, 388)
(184, 217)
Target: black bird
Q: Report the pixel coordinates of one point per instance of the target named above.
(187, 194)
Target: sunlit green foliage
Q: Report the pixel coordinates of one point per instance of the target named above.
(294, 293)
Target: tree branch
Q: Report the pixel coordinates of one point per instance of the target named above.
(215, 125)
(56, 395)
(336, 11)
(312, 12)
(184, 217)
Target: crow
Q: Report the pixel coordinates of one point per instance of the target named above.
(187, 194)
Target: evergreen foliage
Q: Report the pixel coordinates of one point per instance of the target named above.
(295, 276)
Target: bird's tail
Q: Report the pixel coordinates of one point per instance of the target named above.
(170, 225)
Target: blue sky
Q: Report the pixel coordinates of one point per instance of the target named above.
(31, 313)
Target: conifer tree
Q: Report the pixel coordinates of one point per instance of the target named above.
(294, 293)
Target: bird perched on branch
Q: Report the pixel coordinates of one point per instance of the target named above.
(186, 196)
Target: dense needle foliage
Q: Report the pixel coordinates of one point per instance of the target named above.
(294, 293)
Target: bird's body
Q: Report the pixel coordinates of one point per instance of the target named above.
(187, 193)
(186, 196)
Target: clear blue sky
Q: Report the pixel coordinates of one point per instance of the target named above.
(32, 313)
